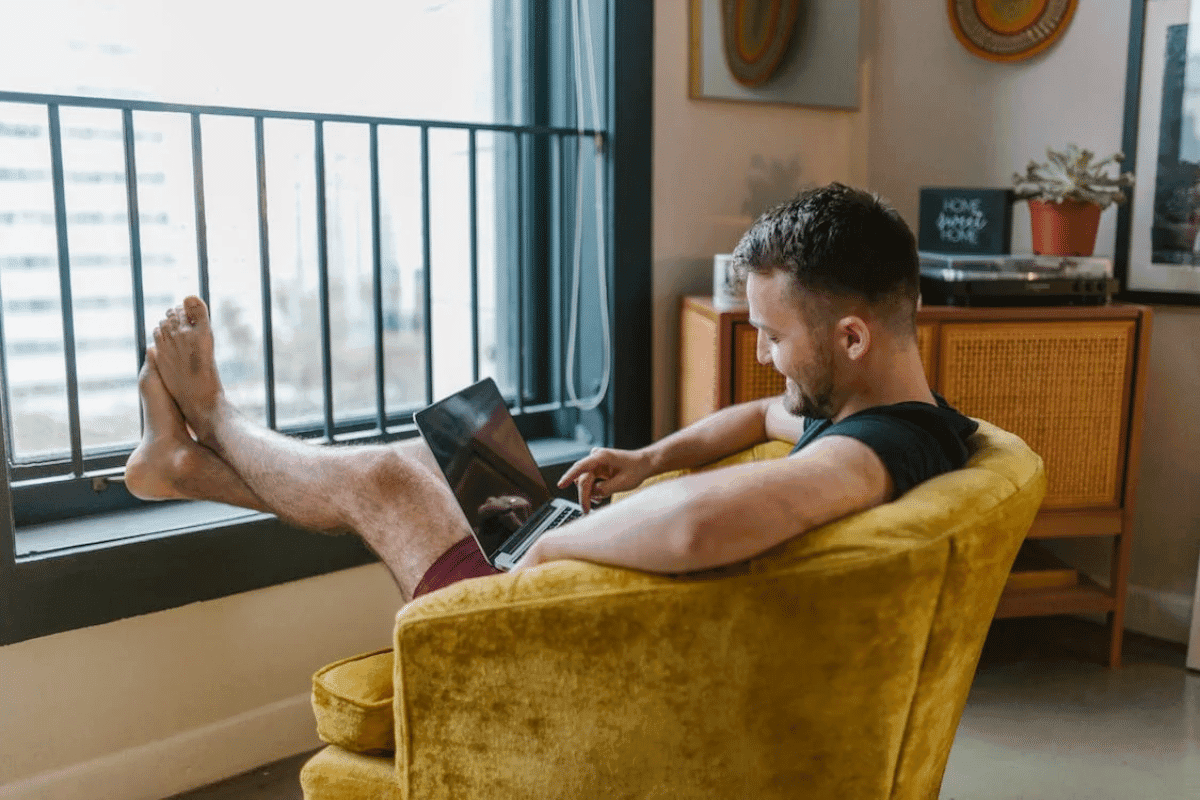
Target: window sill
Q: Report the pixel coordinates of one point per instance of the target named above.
(53, 539)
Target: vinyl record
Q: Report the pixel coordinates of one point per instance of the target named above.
(1009, 30)
(757, 35)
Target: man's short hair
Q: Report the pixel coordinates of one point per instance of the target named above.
(840, 243)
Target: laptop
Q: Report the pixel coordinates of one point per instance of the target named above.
(493, 475)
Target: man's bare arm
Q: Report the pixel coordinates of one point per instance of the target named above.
(719, 434)
(781, 423)
(725, 516)
(729, 430)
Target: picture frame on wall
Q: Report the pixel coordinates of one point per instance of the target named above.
(790, 52)
(1158, 246)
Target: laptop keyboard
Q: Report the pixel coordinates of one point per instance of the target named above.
(563, 516)
(548, 517)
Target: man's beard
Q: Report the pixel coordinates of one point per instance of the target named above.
(818, 405)
(817, 402)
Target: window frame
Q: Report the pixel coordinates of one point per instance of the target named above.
(90, 584)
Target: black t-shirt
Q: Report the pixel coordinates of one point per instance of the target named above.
(914, 440)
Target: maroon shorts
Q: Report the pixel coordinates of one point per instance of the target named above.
(463, 560)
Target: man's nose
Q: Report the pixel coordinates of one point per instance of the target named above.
(762, 350)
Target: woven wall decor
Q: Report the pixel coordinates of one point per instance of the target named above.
(757, 36)
(1009, 30)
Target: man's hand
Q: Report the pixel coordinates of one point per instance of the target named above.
(508, 504)
(605, 472)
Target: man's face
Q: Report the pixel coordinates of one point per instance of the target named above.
(799, 348)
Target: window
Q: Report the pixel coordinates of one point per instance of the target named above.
(308, 210)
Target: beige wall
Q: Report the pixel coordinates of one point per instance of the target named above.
(716, 166)
(150, 706)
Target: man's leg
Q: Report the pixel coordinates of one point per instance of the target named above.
(393, 496)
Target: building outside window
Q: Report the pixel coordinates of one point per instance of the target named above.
(427, 59)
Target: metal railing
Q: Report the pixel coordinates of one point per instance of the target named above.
(554, 141)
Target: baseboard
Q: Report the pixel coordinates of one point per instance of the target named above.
(181, 762)
(1163, 615)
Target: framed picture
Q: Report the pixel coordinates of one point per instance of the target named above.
(1158, 250)
(793, 52)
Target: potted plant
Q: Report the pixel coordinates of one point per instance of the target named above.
(1066, 194)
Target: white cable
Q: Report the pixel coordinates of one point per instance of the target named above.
(577, 271)
(576, 250)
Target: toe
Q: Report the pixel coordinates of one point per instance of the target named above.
(195, 309)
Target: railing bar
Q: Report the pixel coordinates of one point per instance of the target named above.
(377, 285)
(473, 233)
(427, 258)
(201, 219)
(539, 408)
(306, 116)
(323, 283)
(105, 461)
(520, 271)
(558, 225)
(264, 263)
(135, 237)
(43, 470)
(64, 280)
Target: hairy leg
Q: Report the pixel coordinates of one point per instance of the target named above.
(393, 496)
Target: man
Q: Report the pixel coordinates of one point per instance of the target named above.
(832, 284)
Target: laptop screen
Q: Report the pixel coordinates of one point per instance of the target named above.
(485, 460)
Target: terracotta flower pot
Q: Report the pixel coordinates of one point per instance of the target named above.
(1064, 229)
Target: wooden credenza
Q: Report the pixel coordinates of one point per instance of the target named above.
(1069, 380)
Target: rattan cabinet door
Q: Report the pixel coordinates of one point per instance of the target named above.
(1064, 387)
(751, 380)
(926, 336)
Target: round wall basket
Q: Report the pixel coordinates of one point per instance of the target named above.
(757, 35)
(1009, 30)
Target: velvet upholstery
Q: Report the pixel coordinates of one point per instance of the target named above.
(835, 665)
(352, 700)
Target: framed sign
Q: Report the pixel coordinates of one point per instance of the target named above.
(1158, 250)
(965, 221)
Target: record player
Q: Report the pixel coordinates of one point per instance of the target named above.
(1015, 280)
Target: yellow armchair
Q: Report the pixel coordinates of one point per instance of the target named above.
(836, 665)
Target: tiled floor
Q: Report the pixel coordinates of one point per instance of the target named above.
(1044, 720)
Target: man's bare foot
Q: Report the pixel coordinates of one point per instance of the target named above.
(184, 342)
(157, 469)
(168, 463)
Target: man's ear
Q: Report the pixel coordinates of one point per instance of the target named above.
(854, 337)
